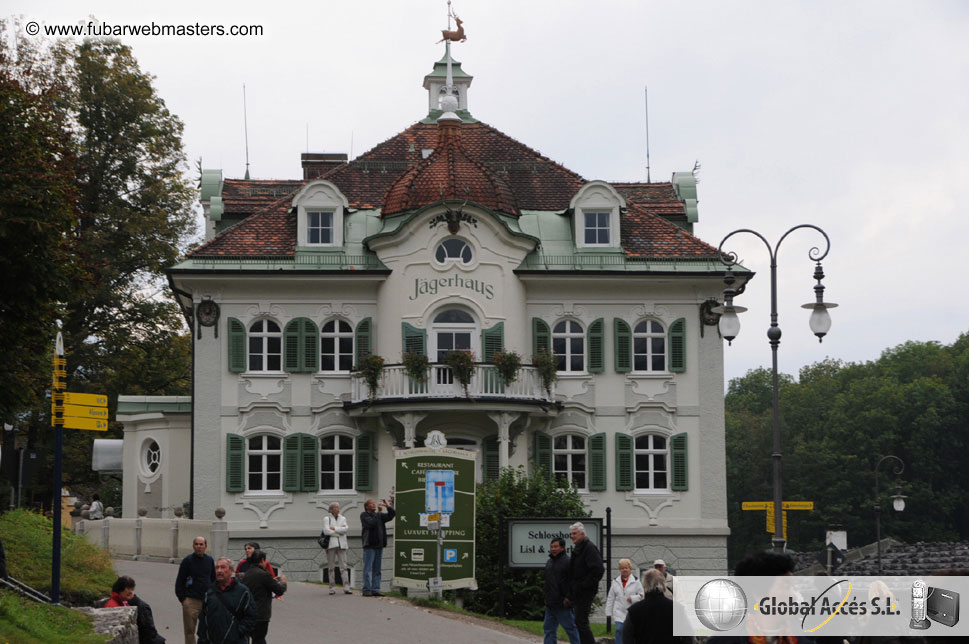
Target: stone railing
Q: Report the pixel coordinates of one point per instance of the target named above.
(120, 623)
(485, 383)
(144, 538)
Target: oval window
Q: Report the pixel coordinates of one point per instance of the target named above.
(152, 457)
(453, 250)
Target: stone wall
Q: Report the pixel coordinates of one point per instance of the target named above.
(120, 623)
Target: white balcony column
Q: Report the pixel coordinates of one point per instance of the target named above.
(503, 420)
(410, 420)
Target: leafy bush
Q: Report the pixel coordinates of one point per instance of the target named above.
(515, 494)
(86, 571)
(416, 365)
(462, 366)
(371, 367)
(508, 363)
(28, 622)
(547, 368)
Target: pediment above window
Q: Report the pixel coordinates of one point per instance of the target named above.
(320, 209)
(596, 207)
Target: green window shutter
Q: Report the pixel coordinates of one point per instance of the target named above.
(491, 467)
(678, 460)
(543, 453)
(414, 339)
(677, 342)
(236, 333)
(624, 345)
(624, 463)
(595, 340)
(291, 463)
(492, 341)
(235, 463)
(364, 463)
(363, 338)
(597, 462)
(308, 463)
(309, 345)
(291, 352)
(541, 336)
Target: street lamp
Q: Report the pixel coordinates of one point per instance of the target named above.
(820, 323)
(898, 502)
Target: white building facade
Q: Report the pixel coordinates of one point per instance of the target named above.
(448, 236)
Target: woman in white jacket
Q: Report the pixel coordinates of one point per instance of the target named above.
(335, 526)
(624, 591)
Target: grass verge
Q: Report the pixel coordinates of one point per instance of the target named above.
(26, 622)
(86, 570)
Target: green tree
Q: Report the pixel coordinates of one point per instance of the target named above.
(514, 494)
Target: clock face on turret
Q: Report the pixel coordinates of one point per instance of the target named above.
(208, 313)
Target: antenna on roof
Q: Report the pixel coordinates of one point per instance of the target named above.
(245, 125)
(351, 144)
(307, 138)
(646, 92)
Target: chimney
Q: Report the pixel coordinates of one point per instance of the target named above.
(316, 164)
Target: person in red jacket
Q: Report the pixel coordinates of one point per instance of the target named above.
(123, 594)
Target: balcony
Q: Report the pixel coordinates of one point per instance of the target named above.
(486, 384)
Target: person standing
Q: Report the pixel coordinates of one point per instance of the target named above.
(335, 526)
(195, 574)
(650, 621)
(585, 571)
(245, 563)
(262, 585)
(374, 538)
(624, 591)
(96, 511)
(556, 591)
(668, 579)
(228, 612)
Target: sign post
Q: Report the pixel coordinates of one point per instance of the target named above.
(74, 411)
(435, 490)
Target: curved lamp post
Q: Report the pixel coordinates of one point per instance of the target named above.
(820, 323)
(898, 502)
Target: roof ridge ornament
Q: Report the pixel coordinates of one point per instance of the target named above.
(448, 100)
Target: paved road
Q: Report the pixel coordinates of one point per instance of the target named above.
(310, 615)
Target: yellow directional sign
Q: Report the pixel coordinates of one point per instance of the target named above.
(80, 411)
(83, 423)
(91, 400)
(769, 505)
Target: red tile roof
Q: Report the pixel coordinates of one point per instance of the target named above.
(501, 172)
(449, 173)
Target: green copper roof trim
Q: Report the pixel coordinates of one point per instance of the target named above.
(394, 223)
(328, 262)
(130, 405)
(433, 115)
(440, 69)
(535, 262)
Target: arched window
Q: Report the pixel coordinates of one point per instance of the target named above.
(569, 460)
(336, 346)
(265, 346)
(265, 464)
(568, 345)
(652, 464)
(456, 250)
(649, 346)
(454, 330)
(336, 463)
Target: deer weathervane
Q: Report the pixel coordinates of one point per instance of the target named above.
(456, 35)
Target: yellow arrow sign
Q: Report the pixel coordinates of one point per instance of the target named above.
(80, 411)
(91, 400)
(84, 423)
(769, 505)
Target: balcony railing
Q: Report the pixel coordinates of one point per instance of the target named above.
(395, 384)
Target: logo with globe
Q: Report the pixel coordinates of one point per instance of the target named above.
(720, 605)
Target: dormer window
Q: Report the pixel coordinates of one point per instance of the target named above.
(320, 209)
(319, 227)
(597, 227)
(596, 209)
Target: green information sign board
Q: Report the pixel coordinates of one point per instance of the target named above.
(415, 545)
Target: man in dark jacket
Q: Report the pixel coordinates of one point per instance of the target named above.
(556, 590)
(228, 613)
(374, 537)
(585, 571)
(262, 585)
(195, 574)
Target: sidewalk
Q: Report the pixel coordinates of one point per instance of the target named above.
(309, 615)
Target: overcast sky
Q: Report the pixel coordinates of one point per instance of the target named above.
(853, 116)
